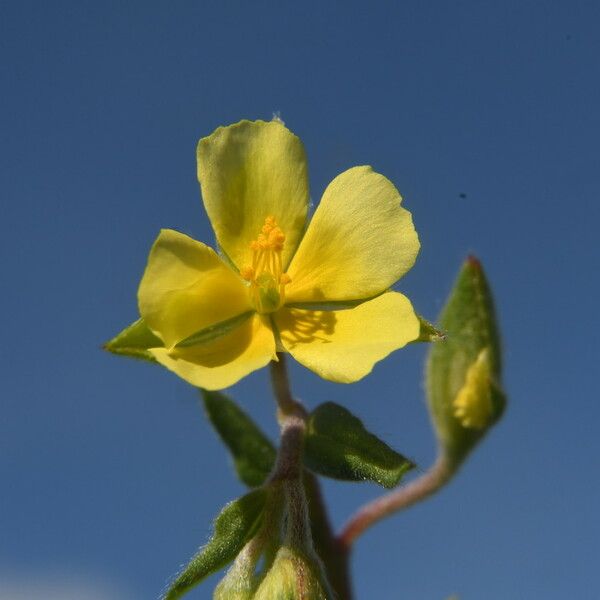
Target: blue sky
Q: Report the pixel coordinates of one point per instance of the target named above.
(485, 116)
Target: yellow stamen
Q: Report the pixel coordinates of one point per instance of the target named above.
(247, 273)
(266, 276)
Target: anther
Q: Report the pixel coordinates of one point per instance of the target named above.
(247, 273)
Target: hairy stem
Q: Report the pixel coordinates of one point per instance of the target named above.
(281, 387)
(292, 422)
(292, 418)
(419, 489)
(335, 557)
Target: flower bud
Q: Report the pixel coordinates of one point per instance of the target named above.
(240, 582)
(234, 589)
(463, 372)
(292, 576)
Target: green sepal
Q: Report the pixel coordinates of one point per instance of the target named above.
(208, 334)
(253, 453)
(428, 332)
(234, 527)
(332, 304)
(472, 335)
(134, 341)
(337, 445)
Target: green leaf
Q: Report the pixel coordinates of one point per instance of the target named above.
(465, 369)
(208, 334)
(337, 445)
(253, 454)
(235, 526)
(428, 332)
(134, 341)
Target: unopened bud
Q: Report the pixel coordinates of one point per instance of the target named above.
(241, 582)
(292, 576)
(230, 590)
(463, 372)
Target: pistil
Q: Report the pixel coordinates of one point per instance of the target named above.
(265, 276)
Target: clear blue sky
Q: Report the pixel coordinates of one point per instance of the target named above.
(110, 473)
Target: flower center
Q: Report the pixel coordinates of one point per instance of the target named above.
(265, 275)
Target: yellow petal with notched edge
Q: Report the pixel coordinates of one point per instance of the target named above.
(186, 287)
(359, 242)
(343, 345)
(224, 361)
(250, 171)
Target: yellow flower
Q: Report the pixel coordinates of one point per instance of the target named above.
(320, 293)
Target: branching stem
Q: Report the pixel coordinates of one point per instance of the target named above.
(292, 418)
(419, 489)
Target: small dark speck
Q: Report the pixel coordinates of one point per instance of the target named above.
(569, 36)
(462, 195)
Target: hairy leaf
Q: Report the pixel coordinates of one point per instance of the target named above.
(253, 454)
(236, 524)
(337, 445)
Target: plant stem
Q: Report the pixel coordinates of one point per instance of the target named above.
(419, 489)
(335, 557)
(292, 418)
(281, 387)
(292, 421)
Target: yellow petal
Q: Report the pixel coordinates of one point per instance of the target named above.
(250, 171)
(224, 361)
(359, 242)
(343, 345)
(473, 405)
(187, 287)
